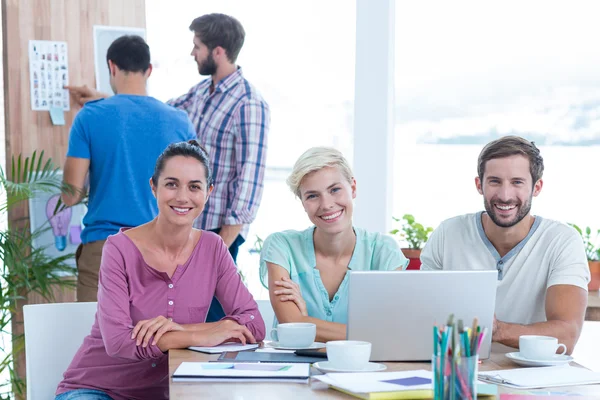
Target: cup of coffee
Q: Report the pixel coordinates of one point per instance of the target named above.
(295, 334)
(348, 354)
(536, 347)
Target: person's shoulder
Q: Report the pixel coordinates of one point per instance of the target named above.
(374, 238)
(289, 237)
(168, 109)
(95, 103)
(90, 109)
(251, 95)
(120, 240)
(292, 239)
(460, 222)
(554, 228)
(211, 237)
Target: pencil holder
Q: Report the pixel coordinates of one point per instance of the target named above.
(454, 378)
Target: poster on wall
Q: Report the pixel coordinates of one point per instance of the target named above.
(103, 38)
(64, 234)
(48, 74)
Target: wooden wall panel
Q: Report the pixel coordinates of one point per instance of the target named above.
(62, 20)
(71, 21)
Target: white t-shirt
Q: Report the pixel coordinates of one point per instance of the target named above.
(551, 254)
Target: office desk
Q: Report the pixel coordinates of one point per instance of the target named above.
(315, 389)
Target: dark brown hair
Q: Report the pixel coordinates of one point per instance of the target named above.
(130, 53)
(190, 148)
(220, 30)
(510, 146)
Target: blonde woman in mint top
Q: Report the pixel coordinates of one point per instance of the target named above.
(306, 272)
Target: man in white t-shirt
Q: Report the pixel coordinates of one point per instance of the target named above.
(542, 266)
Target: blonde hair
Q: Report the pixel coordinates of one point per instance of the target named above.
(314, 159)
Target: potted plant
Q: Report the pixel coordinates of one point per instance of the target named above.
(415, 235)
(24, 269)
(592, 251)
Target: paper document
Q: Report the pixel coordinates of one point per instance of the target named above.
(251, 372)
(48, 74)
(224, 347)
(541, 377)
(369, 382)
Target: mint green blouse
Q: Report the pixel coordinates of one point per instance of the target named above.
(295, 251)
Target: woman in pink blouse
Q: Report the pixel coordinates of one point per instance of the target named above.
(156, 284)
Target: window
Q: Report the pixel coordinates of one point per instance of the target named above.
(468, 72)
(300, 56)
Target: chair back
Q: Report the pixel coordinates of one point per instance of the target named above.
(53, 334)
(266, 310)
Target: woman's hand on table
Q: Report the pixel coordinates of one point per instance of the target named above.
(145, 329)
(225, 331)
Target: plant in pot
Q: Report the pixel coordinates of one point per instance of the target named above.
(24, 268)
(415, 235)
(592, 251)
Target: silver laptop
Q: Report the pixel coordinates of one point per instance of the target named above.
(396, 311)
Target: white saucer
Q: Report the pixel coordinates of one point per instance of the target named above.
(315, 345)
(556, 360)
(325, 367)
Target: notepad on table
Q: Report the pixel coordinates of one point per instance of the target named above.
(241, 372)
(390, 385)
(541, 377)
(224, 347)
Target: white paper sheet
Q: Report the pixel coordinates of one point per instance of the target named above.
(541, 377)
(103, 38)
(224, 347)
(48, 73)
(369, 382)
(277, 372)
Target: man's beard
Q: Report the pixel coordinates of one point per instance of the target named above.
(523, 210)
(208, 66)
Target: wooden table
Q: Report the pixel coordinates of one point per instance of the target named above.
(592, 313)
(315, 389)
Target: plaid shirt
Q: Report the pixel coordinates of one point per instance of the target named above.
(232, 124)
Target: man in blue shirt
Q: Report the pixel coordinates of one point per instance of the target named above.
(117, 141)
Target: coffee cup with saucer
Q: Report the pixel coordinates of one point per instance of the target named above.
(348, 356)
(536, 350)
(295, 336)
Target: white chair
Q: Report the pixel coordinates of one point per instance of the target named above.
(53, 334)
(266, 310)
(587, 351)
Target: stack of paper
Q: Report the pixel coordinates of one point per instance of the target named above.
(241, 372)
(382, 385)
(541, 377)
(390, 385)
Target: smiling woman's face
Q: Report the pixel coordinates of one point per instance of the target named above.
(181, 191)
(327, 199)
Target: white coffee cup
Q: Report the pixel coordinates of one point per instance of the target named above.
(295, 334)
(348, 354)
(536, 347)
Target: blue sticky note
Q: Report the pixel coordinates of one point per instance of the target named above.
(57, 115)
(412, 381)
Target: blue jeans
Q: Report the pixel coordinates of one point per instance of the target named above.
(83, 394)
(215, 312)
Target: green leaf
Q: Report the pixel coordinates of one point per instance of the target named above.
(26, 269)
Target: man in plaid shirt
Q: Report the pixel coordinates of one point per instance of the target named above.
(232, 123)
